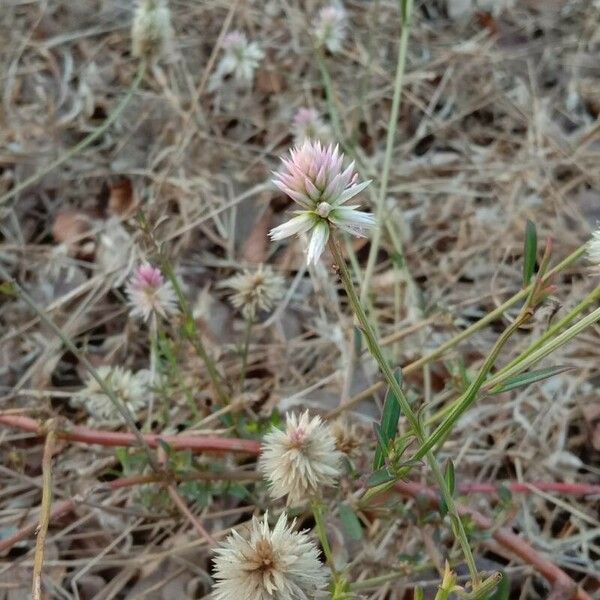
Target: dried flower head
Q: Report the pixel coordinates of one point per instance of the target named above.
(265, 564)
(307, 124)
(132, 389)
(349, 439)
(314, 178)
(149, 293)
(151, 31)
(240, 59)
(300, 460)
(330, 28)
(593, 248)
(254, 291)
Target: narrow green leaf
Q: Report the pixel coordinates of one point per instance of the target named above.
(529, 252)
(418, 595)
(350, 522)
(378, 477)
(528, 378)
(449, 476)
(389, 424)
(503, 590)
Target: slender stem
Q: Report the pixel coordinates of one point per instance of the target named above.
(412, 418)
(94, 135)
(333, 113)
(317, 509)
(120, 406)
(245, 349)
(46, 506)
(374, 582)
(389, 147)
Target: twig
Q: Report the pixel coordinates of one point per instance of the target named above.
(87, 435)
(506, 538)
(38, 562)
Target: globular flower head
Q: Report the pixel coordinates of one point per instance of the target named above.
(132, 389)
(330, 28)
(255, 291)
(151, 31)
(593, 248)
(313, 177)
(301, 459)
(268, 564)
(149, 293)
(240, 59)
(308, 125)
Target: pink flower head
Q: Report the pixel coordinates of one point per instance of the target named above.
(305, 116)
(307, 124)
(313, 177)
(148, 293)
(234, 40)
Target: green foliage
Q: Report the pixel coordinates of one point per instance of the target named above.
(529, 252)
(350, 522)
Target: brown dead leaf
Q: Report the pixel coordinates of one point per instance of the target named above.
(121, 199)
(256, 245)
(71, 227)
(269, 82)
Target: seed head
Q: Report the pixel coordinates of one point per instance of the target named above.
(330, 28)
(151, 32)
(255, 291)
(149, 293)
(314, 178)
(300, 460)
(265, 564)
(132, 389)
(307, 124)
(593, 249)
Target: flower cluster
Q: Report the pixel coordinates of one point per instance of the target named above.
(308, 125)
(255, 291)
(151, 31)
(314, 178)
(330, 28)
(149, 294)
(301, 459)
(240, 60)
(265, 564)
(132, 389)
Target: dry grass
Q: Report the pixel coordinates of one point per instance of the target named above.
(498, 124)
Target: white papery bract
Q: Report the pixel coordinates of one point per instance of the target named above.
(151, 31)
(313, 177)
(300, 460)
(265, 564)
(330, 28)
(593, 249)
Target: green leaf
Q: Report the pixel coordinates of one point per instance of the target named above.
(528, 378)
(449, 476)
(389, 424)
(418, 595)
(350, 522)
(529, 252)
(378, 477)
(8, 288)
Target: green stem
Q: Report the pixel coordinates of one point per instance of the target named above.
(94, 135)
(389, 147)
(120, 406)
(412, 418)
(374, 582)
(245, 349)
(317, 509)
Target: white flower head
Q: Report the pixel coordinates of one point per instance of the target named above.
(132, 389)
(149, 294)
(240, 59)
(308, 125)
(313, 177)
(593, 249)
(255, 291)
(265, 564)
(330, 28)
(300, 460)
(151, 31)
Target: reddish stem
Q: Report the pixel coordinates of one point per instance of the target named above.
(506, 538)
(86, 435)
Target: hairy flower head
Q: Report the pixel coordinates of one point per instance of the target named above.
(313, 177)
(265, 564)
(132, 389)
(330, 28)
(148, 293)
(151, 31)
(593, 249)
(240, 59)
(308, 125)
(301, 459)
(254, 291)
